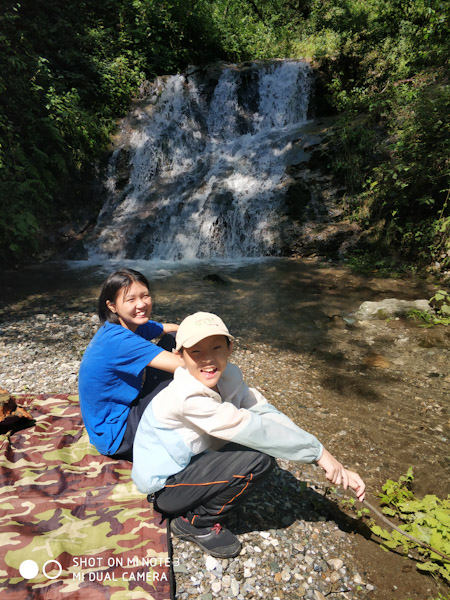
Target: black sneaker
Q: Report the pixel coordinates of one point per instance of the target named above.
(216, 540)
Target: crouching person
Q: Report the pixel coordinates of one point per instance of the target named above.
(207, 439)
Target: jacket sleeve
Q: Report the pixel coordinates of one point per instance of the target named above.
(261, 427)
(274, 433)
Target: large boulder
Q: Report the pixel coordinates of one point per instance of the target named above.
(390, 307)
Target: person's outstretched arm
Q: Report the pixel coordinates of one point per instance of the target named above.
(338, 474)
(169, 327)
(166, 361)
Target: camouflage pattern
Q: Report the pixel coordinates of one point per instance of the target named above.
(75, 513)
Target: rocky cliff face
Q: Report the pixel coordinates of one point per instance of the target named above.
(313, 221)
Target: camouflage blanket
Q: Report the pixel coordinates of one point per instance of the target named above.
(72, 524)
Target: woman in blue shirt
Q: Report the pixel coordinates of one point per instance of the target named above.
(122, 369)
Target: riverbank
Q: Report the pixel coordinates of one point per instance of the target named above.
(374, 391)
(298, 542)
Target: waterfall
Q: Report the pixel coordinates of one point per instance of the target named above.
(199, 167)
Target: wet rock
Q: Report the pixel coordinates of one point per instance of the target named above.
(336, 322)
(390, 307)
(297, 199)
(217, 279)
(123, 168)
(77, 252)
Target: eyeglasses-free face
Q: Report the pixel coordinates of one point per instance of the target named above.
(133, 306)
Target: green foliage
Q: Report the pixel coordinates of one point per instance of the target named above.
(427, 319)
(383, 65)
(409, 188)
(362, 47)
(251, 29)
(427, 519)
(370, 261)
(68, 70)
(350, 503)
(441, 303)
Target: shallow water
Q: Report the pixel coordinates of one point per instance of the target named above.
(279, 301)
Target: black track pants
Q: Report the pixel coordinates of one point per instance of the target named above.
(213, 484)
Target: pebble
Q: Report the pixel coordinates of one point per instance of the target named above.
(336, 563)
(211, 563)
(234, 587)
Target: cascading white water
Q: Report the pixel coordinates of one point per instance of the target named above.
(205, 165)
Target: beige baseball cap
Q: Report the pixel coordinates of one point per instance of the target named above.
(199, 326)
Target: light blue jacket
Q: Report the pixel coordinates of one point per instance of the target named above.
(187, 418)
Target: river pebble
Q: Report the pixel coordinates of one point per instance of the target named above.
(291, 546)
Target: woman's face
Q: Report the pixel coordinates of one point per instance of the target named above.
(133, 306)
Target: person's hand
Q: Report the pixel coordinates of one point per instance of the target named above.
(339, 475)
(334, 470)
(357, 484)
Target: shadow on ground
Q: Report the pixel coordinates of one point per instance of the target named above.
(282, 500)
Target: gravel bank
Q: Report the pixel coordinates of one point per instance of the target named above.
(293, 547)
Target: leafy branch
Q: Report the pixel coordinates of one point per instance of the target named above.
(425, 528)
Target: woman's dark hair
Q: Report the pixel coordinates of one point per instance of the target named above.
(123, 278)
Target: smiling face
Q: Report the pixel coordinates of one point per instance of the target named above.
(206, 360)
(133, 306)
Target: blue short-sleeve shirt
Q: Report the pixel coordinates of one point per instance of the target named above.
(110, 378)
